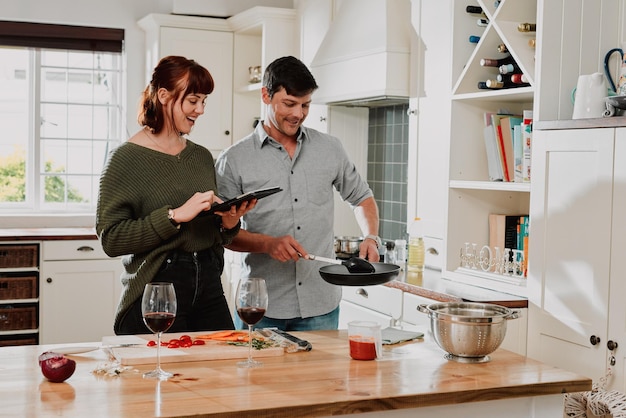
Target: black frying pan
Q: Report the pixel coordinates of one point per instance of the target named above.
(339, 275)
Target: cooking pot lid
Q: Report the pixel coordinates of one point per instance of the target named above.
(338, 274)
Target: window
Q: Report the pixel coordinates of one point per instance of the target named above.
(61, 110)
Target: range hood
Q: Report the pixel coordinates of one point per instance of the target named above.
(364, 59)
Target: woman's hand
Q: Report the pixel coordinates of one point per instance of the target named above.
(197, 203)
(231, 218)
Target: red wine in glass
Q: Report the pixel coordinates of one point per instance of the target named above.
(159, 321)
(251, 303)
(158, 308)
(251, 315)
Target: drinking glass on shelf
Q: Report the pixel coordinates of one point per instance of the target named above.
(158, 307)
(251, 303)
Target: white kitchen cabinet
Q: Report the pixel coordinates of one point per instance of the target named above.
(227, 48)
(411, 315)
(79, 291)
(209, 42)
(378, 303)
(429, 113)
(261, 35)
(575, 283)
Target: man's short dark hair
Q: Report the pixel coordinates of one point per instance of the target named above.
(291, 74)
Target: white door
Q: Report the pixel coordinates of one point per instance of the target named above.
(570, 248)
(78, 300)
(213, 50)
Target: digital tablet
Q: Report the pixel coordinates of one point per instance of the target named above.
(256, 194)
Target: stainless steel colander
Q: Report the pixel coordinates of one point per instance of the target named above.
(468, 330)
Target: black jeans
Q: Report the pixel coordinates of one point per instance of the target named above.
(202, 305)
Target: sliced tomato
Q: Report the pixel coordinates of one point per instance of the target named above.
(174, 344)
(184, 338)
(199, 342)
(151, 343)
(186, 343)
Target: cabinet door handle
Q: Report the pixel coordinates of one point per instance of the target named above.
(362, 292)
(611, 345)
(594, 340)
(49, 280)
(85, 248)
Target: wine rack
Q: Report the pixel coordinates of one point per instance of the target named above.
(471, 195)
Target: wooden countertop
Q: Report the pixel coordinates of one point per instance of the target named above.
(322, 382)
(612, 122)
(444, 290)
(39, 234)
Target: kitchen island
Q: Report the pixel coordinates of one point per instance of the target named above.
(411, 379)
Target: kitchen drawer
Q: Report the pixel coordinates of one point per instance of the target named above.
(410, 313)
(73, 250)
(349, 312)
(380, 298)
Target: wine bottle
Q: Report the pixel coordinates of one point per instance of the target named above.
(482, 22)
(532, 42)
(527, 27)
(489, 62)
(516, 78)
(503, 48)
(495, 84)
(474, 39)
(491, 85)
(509, 68)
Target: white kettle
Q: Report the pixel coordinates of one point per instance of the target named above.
(590, 94)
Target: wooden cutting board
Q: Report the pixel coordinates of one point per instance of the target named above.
(140, 353)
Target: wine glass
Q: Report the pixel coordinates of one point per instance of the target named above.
(158, 307)
(251, 304)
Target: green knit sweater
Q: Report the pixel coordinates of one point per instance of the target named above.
(137, 188)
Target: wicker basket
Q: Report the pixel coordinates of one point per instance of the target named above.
(12, 318)
(18, 288)
(21, 341)
(24, 255)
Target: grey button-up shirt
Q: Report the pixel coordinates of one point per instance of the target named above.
(304, 210)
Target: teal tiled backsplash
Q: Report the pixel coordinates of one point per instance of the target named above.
(387, 164)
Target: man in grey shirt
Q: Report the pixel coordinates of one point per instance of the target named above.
(284, 228)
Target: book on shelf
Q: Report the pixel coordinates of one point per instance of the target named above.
(518, 153)
(508, 231)
(492, 134)
(522, 241)
(527, 135)
(508, 124)
(493, 158)
(504, 143)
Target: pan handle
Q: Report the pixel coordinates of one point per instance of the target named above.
(423, 308)
(514, 314)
